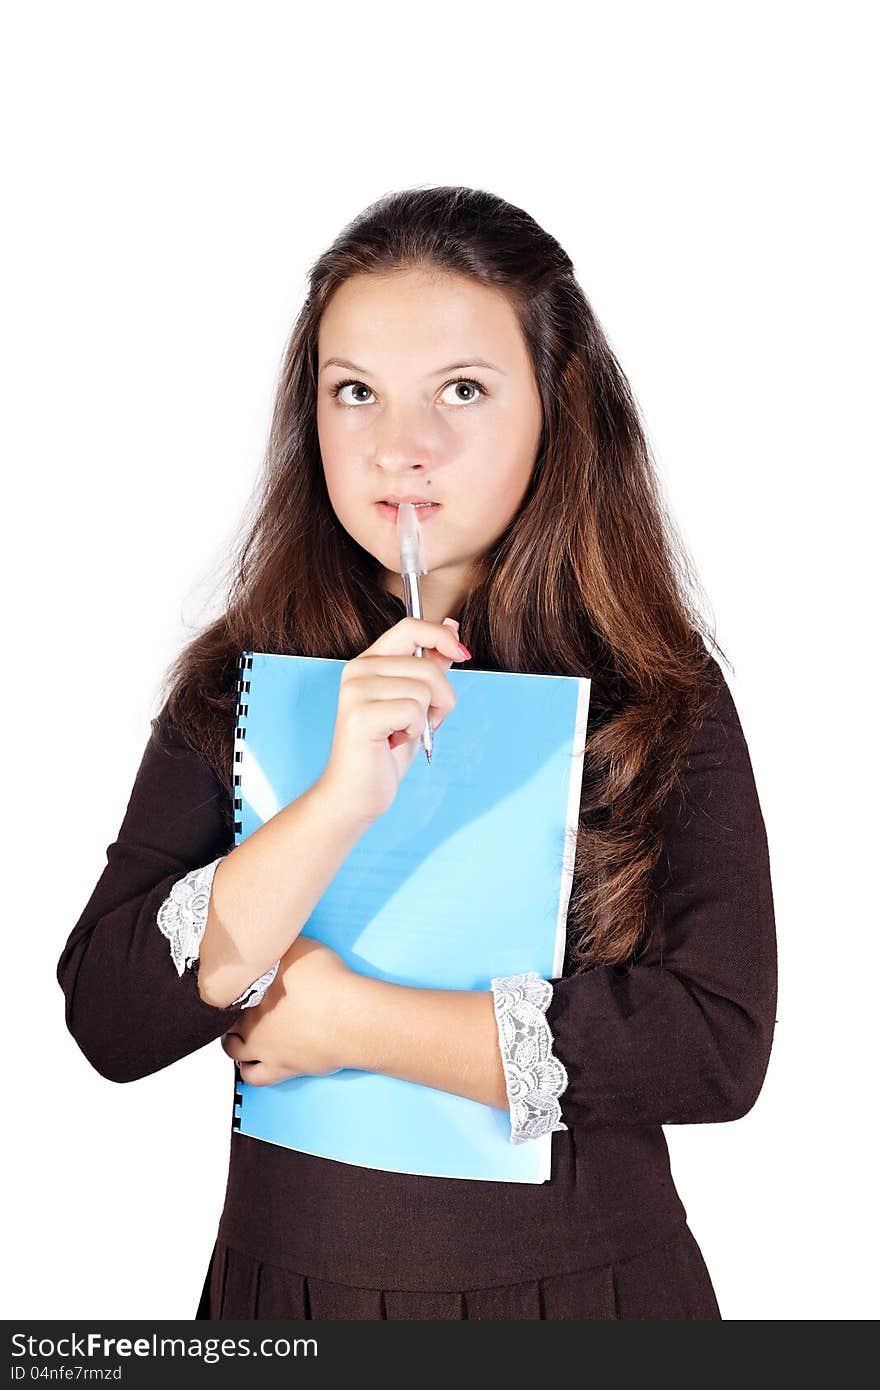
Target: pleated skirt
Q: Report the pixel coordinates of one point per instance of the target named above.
(668, 1282)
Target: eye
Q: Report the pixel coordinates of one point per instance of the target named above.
(343, 385)
(475, 387)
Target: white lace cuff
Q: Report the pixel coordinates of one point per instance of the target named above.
(182, 919)
(535, 1078)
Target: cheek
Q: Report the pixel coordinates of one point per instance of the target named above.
(327, 434)
(340, 450)
(499, 501)
(512, 428)
(333, 458)
(500, 475)
(342, 500)
(338, 427)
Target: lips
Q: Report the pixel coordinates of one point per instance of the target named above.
(390, 509)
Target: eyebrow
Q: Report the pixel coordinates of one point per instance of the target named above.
(453, 366)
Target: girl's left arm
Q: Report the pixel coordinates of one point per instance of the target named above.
(445, 1038)
(682, 1037)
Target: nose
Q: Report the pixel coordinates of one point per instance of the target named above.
(403, 438)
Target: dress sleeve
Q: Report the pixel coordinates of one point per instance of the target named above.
(131, 1003)
(533, 1077)
(182, 918)
(684, 1035)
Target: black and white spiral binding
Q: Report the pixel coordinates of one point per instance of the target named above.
(242, 689)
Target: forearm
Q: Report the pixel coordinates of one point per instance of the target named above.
(443, 1038)
(265, 890)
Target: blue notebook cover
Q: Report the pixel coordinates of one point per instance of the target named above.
(467, 876)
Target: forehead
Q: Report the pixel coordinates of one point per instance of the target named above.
(419, 318)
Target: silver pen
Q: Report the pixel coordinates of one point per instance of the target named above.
(412, 564)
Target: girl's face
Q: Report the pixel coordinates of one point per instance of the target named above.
(393, 422)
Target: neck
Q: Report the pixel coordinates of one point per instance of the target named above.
(441, 597)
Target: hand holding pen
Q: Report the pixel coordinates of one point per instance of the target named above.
(382, 709)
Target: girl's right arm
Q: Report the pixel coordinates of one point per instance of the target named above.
(130, 1011)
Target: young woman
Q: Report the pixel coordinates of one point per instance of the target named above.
(446, 353)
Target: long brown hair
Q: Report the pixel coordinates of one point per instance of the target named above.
(604, 591)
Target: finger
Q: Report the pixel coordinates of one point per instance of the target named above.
(441, 658)
(400, 737)
(398, 720)
(444, 663)
(380, 677)
(262, 1074)
(235, 1047)
(423, 686)
(410, 633)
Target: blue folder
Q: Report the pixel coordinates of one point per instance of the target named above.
(467, 876)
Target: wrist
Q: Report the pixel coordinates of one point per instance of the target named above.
(358, 1020)
(335, 808)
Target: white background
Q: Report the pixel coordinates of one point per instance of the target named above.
(170, 171)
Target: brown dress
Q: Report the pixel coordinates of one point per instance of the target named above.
(684, 1037)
